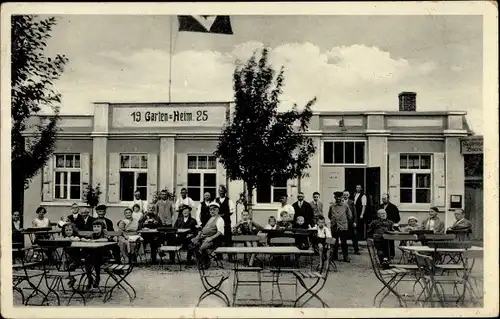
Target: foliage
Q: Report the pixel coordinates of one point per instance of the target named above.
(262, 145)
(32, 80)
(91, 195)
(156, 195)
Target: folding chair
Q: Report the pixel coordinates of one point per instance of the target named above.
(212, 282)
(238, 282)
(318, 282)
(389, 278)
(119, 274)
(437, 237)
(170, 236)
(461, 234)
(23, 272)
(331, 242)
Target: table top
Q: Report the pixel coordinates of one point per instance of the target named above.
(152, 231)
(89, 233)
(263, 250)
(41, 231)
(427, 249)
(92, 244)
(245, 238)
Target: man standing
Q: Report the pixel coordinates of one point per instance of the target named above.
(392, 215)
(184, 200)
(143, 205)
(317, 206)
(164, 208)
(339, 215)
(226, 210)
(353, 222)
(360, 201)
(203, 213)
(304, 209)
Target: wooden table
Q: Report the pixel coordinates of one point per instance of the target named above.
(427, 249)
(248, 238)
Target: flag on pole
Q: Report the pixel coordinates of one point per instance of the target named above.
(206, 24)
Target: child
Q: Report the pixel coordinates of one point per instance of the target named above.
(95, 260)
(136, 212)
(128, 239)
(271, 223)
(246, 226)
(151, 221)
(412, 225)
(68, 231)
(301, 241)
(186, 221)
(285, 221)
(377, 228)
(322, 234)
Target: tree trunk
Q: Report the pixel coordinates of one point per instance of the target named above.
(250, 200)
(17, 196)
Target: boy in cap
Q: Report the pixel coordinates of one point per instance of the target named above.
(340, 215)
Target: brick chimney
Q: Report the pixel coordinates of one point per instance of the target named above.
(407, 101)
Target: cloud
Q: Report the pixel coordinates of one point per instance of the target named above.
(355, 77)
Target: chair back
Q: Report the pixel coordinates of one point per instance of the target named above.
(449, 244)
(282, 241)
(425, 264)
(37, 229)
(420, 232)
(438, 237)
(399, 237)
(167, 230)
(374, 258)
(461, 235)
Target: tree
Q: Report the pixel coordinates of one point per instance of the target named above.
(260, 145)
(32, 79)
(91, 196)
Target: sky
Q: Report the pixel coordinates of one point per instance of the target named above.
(350, 63)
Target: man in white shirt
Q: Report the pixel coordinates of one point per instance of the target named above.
(360, 202)
(142, 203)
(184, 200)
(285, 207)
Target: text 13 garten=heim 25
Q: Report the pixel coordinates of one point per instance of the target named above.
(174, 116)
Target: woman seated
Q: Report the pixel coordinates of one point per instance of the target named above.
(210, 237)
(246, 226)
(129, 237)
(186, 221)
(319, 241)
(43, 222)
(151, 221)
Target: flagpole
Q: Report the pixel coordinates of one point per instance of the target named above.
(170, 64)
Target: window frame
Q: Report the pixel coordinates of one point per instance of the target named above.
(136, 171)
(414, 172)
(68, 171)
(343, 141)
(287, 188)
(202, 172)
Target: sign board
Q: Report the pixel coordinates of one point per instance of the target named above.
(178, 116)
(472, 146)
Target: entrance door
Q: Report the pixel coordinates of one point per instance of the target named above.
(474, 207)
(354, 176)
(373, 187)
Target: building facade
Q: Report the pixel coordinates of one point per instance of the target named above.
(414, 156)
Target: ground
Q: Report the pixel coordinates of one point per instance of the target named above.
(354, 285)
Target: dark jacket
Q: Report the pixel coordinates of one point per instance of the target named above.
(108, 223)
(17, 236)
(76, 220)
(392, 212)
(378, 227)
(251, 228)
(151, 221)
(189, 224)
(305, 211)
(352, 207)
(284, 224)
(81, 225)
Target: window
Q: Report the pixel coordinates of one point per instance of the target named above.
(415, 178)
(67, 177)
(344, 152)
(271, 193)
(202, 176)
(133, 176)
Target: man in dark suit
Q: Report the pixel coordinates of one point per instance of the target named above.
(304, 209)
(75, 217)
(353, 223)
(85, 223)
(101, 215)
(392, 215)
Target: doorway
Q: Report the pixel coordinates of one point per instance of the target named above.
(369, 179)
(474, 207)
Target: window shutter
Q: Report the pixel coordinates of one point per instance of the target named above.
(439, 185)
(394, 178)
(114, 178)
(152, 175)
(221, 175)
(85, 169)
(182, 167)
(47, 182)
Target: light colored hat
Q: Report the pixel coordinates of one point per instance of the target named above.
(214, 204)
(412, 217)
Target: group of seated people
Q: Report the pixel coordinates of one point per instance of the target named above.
(461, 227)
